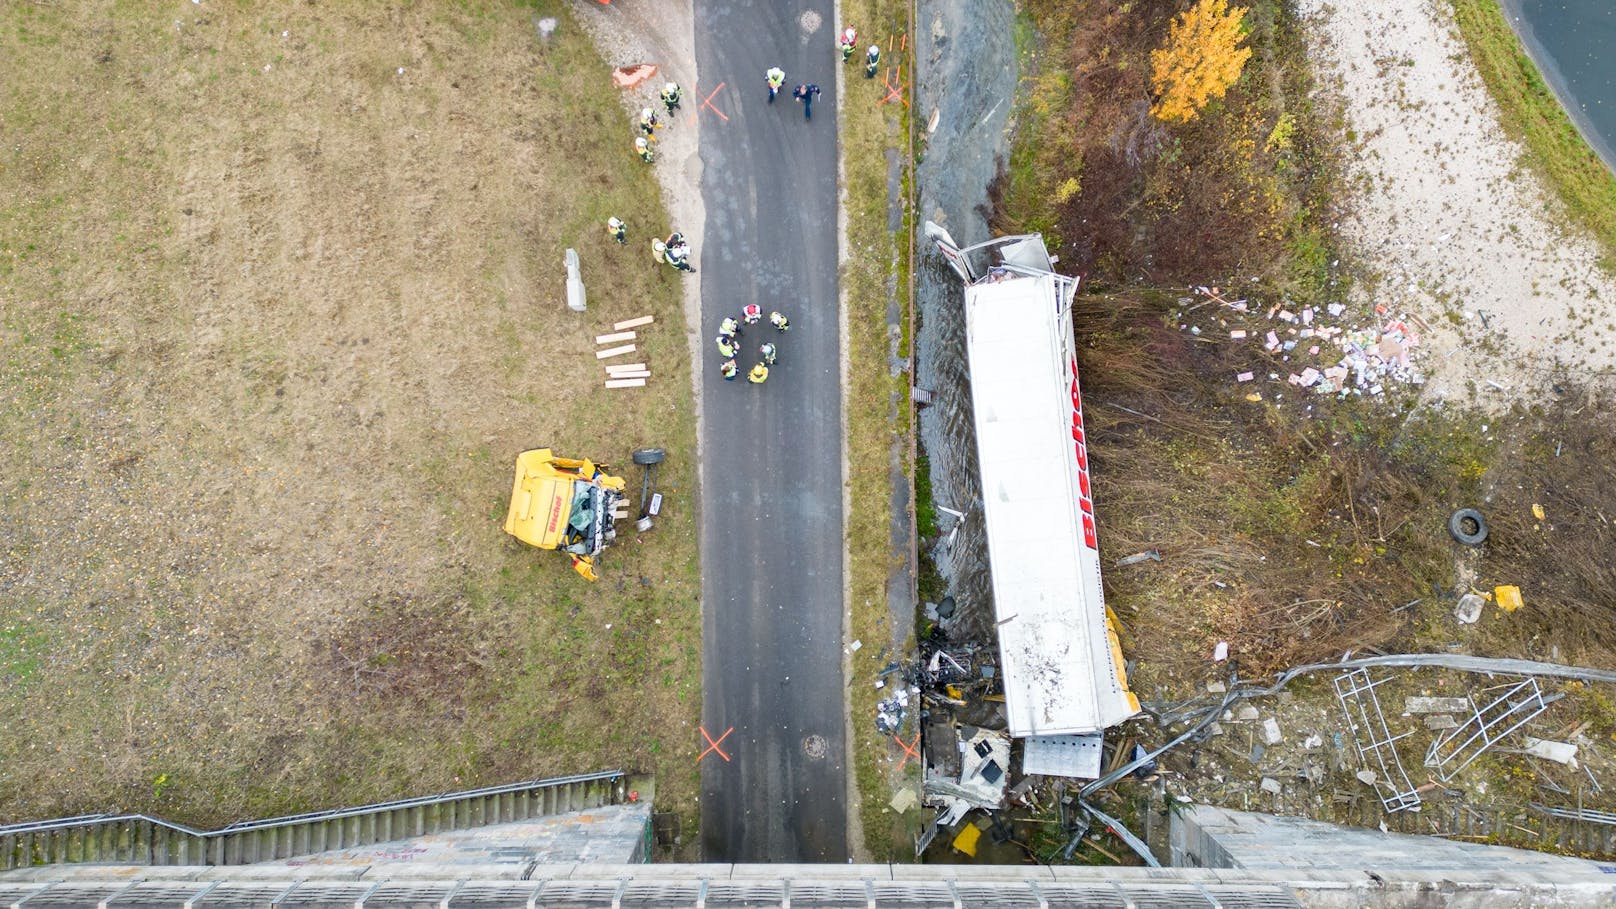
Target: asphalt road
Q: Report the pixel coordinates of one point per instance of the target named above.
(772, 500)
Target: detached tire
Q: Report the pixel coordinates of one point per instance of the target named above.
(1468, 527)
(645, 457)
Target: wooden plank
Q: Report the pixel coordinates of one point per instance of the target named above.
(614, 351)
(624, 367)
(630, 374)
(614, 338)
(633, 323)
(624, 383)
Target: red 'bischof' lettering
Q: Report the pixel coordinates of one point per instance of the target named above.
(1085, 499)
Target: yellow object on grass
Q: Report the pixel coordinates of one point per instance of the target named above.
(563, 503)
(966, 840)
(1509, 598)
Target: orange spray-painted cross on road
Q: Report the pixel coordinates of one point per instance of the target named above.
(707, 102)
(712, 745)
(909, 750)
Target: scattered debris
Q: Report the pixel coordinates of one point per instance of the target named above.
(893, 713)
(1512, 707)
(1353, 358)
(904, 800)
(1419, 705)
(966, 840)
(984, 756)
(1508, 597)
(1468, 609)
(1149, 555)
(632, 75)
(1270, 732)
(1558, 752)
(1468, 527)
(1074, 756)
(1374, 741)
(1220, 652)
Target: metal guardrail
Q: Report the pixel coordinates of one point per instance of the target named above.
(419, 802)
(88, 823)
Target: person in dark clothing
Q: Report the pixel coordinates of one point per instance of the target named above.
(806, 94)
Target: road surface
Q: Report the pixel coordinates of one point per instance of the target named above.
(772, 500)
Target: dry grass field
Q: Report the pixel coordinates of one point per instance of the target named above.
(281, 298)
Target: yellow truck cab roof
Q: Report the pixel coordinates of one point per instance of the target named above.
(543, 496)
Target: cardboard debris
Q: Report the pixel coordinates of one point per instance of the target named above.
(1558, 752)
(1419, 705)
(633, 74)
(1351, 358)
(1270, 732)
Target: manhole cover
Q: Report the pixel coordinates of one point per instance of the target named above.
(814, 746)
(809, 22)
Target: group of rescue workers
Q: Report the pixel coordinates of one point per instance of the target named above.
(675, 251)
(729, 342)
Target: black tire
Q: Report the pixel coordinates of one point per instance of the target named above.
(645, 457)
(1468, 527)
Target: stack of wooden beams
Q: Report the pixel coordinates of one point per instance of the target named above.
(623, 375)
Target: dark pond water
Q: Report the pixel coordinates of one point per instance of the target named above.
(1573, 43)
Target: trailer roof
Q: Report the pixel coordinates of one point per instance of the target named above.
(1062, 667)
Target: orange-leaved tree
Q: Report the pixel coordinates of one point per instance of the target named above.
(1201, 59)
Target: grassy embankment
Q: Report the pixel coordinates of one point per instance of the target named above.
(1531, 114)
(878, 403)
(1294, 529)
(282, 299)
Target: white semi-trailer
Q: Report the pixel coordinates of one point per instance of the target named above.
(1062, 664)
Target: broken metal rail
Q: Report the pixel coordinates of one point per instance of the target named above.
(1518, 705)
(1241, 691)
(1374, 740)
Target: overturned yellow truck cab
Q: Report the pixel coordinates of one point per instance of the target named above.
(565, 504)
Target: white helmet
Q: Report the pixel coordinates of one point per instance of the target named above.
(639, 142)
(671, 87)
(875, 48)
(647, 113)
(613, 222)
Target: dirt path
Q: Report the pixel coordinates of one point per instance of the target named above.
(662, 34)
(1447, 222)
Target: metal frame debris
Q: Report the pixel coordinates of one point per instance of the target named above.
(1356, 692)
(1518, 705)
